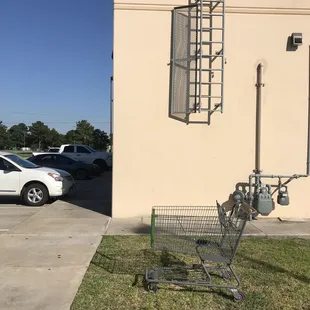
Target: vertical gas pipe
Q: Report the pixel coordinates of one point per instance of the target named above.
(111, 112)
(259, 85)
(308, 142)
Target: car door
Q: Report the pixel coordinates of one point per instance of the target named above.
(9, 178)
(64, 163)
(83, 154)
(70, 151)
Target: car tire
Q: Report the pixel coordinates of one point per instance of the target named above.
(81, 175)
(102, 164)
(35, 195)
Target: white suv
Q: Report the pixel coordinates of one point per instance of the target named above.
(34, 184)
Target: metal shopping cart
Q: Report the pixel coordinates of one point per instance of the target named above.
(211, 233)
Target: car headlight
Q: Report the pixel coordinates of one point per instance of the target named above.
(57, 177)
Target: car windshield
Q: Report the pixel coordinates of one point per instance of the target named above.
(21, 162)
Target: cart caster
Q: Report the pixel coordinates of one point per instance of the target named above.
(238, 295)
(197, 266)
(152, 287)
(226, 275)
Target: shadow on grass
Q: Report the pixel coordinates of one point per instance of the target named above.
(136, 263)
(222, 292)
(273, 268)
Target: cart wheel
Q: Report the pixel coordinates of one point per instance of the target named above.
(226, 275)
(238, 296)
(152, 287)
(196, 266)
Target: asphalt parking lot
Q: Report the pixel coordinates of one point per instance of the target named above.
(94, 194)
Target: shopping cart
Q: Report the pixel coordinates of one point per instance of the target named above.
(211, 233)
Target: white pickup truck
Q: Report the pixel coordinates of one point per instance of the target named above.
(86, 154)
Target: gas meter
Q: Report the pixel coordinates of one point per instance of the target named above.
(263, 201)
(283, 198)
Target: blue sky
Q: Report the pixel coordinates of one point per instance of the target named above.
(55, 62)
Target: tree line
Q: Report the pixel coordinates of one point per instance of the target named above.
(39, 136)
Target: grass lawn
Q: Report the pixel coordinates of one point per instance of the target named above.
(21, 154)
(25, 155)
(275, 274)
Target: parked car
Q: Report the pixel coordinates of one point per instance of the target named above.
(79, 170)
(34, 184)
(85, 154)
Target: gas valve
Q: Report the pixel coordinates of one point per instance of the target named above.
(283, 198)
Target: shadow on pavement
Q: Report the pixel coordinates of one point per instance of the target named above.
(142, 229)
(94, 194)
(10, 201)
(15, 202)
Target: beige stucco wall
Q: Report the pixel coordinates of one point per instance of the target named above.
(160, 161)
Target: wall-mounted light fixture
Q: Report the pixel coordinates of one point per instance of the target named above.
(297, 39)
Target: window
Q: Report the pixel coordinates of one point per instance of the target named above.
(69, 149)
(2, 165)
(21, 162)
(82, 149)
(5, 165)
(54, 150)
(91, 149)
(46, 158)
(63, 160)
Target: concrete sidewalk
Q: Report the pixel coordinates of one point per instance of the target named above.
(263, 227)
(44, 258)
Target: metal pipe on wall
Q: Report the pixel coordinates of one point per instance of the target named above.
(308, 146)
(111, 111)
(259, 85)
(200, 54)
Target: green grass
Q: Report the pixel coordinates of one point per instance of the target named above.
(25, 155)
(275, 274)
(20, 153)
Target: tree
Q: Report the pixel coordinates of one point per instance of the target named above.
(3, 136)
(84, 132)
(70, 137)
(101, 140)
(39, 133)
(55, 138)
(18, 135)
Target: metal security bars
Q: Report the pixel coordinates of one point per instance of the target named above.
(197, 61)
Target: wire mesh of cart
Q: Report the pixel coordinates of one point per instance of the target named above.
(211, 233)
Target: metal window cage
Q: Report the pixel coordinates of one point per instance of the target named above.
(197, 61)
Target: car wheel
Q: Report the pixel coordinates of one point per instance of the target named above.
(102, 164)
(35, 194)
(81, 174)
